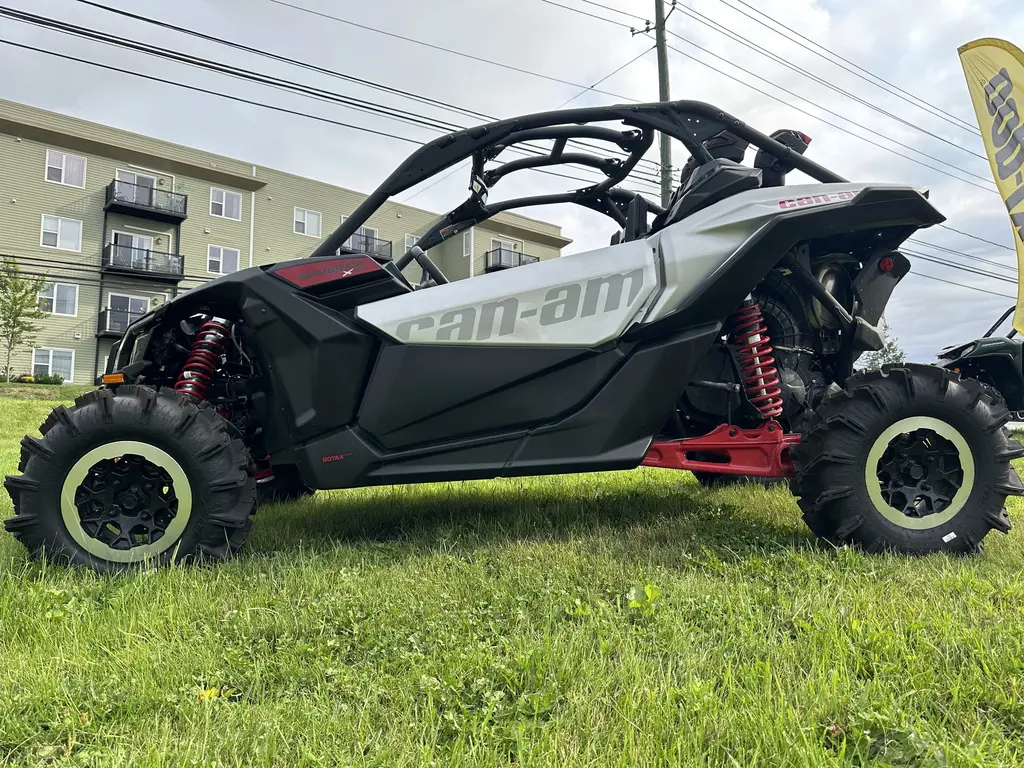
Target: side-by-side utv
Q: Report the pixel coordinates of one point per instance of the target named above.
(716, 335)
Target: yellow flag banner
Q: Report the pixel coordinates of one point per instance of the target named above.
(995, 78)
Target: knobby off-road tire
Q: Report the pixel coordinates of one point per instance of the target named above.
(911, 459)
(133, 476)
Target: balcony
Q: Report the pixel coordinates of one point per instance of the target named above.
(504, 258)
(372, 246)
(114, 322)
(153, 265)
(146, 202)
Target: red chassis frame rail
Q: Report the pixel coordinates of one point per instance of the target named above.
(761, 452)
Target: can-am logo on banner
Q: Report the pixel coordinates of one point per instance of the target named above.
(1008, 140)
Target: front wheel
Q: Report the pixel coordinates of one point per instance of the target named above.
(133, 476)
(911, 459)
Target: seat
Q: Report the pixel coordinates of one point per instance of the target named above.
(706, 185)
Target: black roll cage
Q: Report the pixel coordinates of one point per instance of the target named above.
(1000, 321)
(689, 122)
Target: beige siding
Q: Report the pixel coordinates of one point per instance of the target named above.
(98, 139)
(202, 229)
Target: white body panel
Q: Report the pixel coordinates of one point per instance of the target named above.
(584, 300)
(589, 298)
(694, 249)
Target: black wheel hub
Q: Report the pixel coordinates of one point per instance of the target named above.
(126, 502)
(920, 473)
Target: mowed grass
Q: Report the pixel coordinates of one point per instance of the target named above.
(627, 619)
(49, 392)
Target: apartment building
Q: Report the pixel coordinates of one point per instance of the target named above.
(118, 223)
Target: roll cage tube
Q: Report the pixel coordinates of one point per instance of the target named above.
(1000, 321)
(689, 122)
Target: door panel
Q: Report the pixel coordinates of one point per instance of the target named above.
(427, 394)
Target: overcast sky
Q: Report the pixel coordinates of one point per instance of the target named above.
(911, 43)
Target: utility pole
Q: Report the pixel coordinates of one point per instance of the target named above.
(663, 95)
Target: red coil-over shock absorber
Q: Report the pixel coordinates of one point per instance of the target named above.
(753, 347)
(203, 359)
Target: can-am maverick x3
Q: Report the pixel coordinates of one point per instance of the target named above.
(706, 336)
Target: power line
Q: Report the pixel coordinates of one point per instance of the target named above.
(461, 165)
(272, 82)
(609, 75)
(93, 268)
(722, 30)
(960, 267)
(802, 98)
(436, 47)
(979, 239)
(953, 252)
(197, 89)
(465, 111)
(616, 10)
(232, 72)
(856, 69)
(826, 122)
(962, 285)
(584, 13)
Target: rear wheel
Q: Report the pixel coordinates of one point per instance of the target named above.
(133, 476)
(910, 459)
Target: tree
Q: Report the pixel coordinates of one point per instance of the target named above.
(19, 308)
(890, 354)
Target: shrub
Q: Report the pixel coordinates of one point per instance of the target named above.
(49, 378)
(25, 378)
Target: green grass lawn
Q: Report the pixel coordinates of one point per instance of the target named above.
(628, 619)
(49, 392)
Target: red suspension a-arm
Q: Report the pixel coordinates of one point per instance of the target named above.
(761, 452)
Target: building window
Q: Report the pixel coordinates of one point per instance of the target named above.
(123, 310)
(307, 222)
(65, 234)
(360, 238)
(467, 243)
(59, 299)
(499, 244)
(54, 361)
(132, 187)
(62, 168)
(226, 205)
(410, 241)
(221, 260)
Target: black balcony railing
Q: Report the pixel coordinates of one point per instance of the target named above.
(506, 258)
(162, 266)
(114, 322)
(373, 246)
(142, 200)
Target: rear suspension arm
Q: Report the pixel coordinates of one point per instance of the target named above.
(729, 450)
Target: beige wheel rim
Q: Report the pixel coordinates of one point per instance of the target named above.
(95, 547)
(903, 427)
